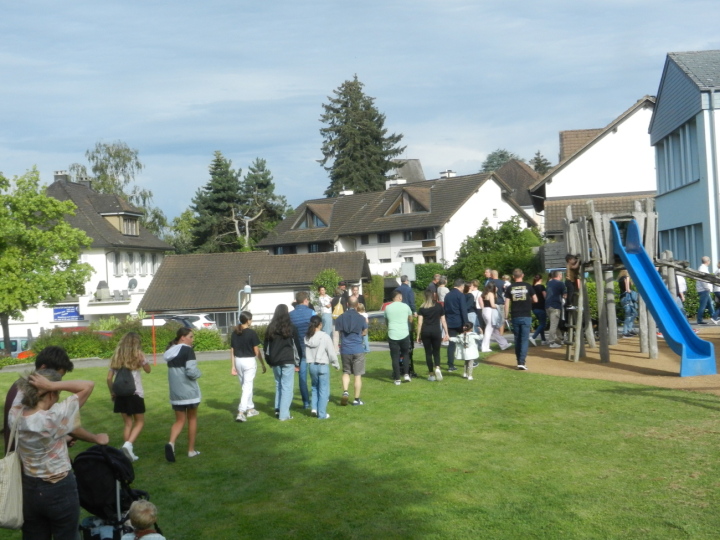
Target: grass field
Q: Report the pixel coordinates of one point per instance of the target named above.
(508, 455)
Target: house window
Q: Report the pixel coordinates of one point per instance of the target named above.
(430, 258)
(310, 221)
(383, 238)
(406, 204)
(130, 226)
(409, 259)
(385, 260)
(495, 212)
(364, 239)
(130, 264)
(407, 236)
(285, 250)
(153, 263)
(677, 158)
(117, 264)
(423, 234)
(313, 248)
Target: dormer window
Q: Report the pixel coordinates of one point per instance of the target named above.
(406, 204)
(310, 221)
(130, 226)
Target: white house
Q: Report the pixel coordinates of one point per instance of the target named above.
(684, 132)
(613, 166)
(124, 256)
(420, 222)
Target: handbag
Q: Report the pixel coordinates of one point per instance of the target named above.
(11, 490)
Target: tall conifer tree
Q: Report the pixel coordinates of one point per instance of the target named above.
(258, 193)
(357, 150)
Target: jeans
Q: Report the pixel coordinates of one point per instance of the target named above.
(541, 315)
(521, 331)
(630, 313)
(246, 369)
(366, 343)
(554, 316)
(398, 348)
(284, 382)
(432, 342)
(704, 302)
(327, 323)
(453, 332)
(320, 378)
(50, 509)
(302, 377)
(716, 315)
(472, 319)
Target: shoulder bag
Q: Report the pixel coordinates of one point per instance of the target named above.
(11, 490)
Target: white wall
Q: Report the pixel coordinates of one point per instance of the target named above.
(621, 162)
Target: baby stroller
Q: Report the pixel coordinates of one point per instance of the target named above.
(104, 475)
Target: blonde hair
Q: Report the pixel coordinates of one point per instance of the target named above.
(142, 514)
(429, 300)
(360, 308)
(128, 353)
(31, 395)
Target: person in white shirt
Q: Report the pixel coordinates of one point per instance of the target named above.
(704, 289)
(324, 301)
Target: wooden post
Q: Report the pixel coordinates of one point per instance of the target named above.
(610, 282)
(599, 255)
(651, 248)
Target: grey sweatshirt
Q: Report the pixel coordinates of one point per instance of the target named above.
(319, 349)
(182, 375)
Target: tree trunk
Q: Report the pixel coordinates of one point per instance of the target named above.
(5, 322)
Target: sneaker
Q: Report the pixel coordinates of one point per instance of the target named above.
(554, 345)
(507, 346)
(288, 418)
(277, 413)
(438, 374)
(452, 368)
(571, 308)
(715, 321)
(407, 378)
(357, 401)
(532, 341)
(464, 375)
(326, 416)
(522, 367)
(127, 449)
(476, 364)
(485, 350)
(470, 378)
(398, 383)
(702, 322)
(240, 417)
(344, 399)
(313, 413)
(170, 453)
(252, 412)
(194, 453)
(431, 378)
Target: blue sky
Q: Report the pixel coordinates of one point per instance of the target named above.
(179, 80)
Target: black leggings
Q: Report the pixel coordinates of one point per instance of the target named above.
(432, 342)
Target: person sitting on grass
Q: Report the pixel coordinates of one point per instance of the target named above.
(143, 518)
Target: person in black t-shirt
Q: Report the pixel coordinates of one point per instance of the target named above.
(245, 348)
(519, 298)
(538, 308)
(430, 328)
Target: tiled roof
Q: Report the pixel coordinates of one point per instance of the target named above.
(410, 169)
(87, 217)
(573, 140)
(703, 67)
(609, 204)
(365, 213)
(519, 176)
(208, 282)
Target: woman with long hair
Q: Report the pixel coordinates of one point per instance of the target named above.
(492, 328)
(129, 355)
(431, 332)
(185, 396)
(319, 353)
(51, 506)
(538, 308)
(244, 353)
(282, 350)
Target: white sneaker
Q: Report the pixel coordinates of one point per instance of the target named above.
(555, 345)
(313, 413)
(532, 341)
(522, 367)
(485, 350)
(470, 378)
(465, 376)
(240, 417)
(407, 378)
(397, 383)
(251, 412)
(127, 449)
(438, 374)
(431, 378)
(507, 346)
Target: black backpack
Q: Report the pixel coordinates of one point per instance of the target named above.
(124, 383)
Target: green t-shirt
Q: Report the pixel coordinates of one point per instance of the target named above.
(397, 315)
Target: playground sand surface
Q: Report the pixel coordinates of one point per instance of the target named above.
(627, 364)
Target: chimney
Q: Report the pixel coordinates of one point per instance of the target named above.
(394, 182)
(448, 174)
(61, 176)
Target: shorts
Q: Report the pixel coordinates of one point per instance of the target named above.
(129, 404)
(184, 407)
(353, 363)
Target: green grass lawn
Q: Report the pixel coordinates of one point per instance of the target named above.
(508, 455)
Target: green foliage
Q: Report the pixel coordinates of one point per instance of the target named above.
(497, 159)
(508, 247)
(374, 293)
(180, 235)
(213, 205)
(539, 164)
(377, 330)
(424, 274)
(39, 250)
(106, 323)
(258, 195)
(328, 278)
(355, 141)
(208, 340)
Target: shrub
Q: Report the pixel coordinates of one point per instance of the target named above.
(208, 340)
(374, 293)
(377, 330)
(424, 274)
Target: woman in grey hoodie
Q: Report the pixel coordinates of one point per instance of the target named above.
(183, 374)
(319, 352)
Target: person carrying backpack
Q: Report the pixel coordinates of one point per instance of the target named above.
(126, 390)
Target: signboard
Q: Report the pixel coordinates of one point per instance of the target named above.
(67, 313)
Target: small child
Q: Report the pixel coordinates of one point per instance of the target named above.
(143, 515)
(467, 348)
(366, 338)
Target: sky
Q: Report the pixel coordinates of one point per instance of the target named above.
(178, 80)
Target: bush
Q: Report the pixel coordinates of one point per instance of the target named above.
(424, 274)
(208, 340)
(377, 330)
(374, 293)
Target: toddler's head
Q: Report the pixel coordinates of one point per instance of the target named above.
(143, 515)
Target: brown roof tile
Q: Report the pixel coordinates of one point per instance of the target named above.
(574, 139)
(612, 204)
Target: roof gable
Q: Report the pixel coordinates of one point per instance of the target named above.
(518, 176)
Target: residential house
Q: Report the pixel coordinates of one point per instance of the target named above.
(419, 222)
(273, 280)
(613, 166)
(125, 257)
(684, 133)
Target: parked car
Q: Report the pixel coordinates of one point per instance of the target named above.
(17, 345)
(199, 320)
(161, 320)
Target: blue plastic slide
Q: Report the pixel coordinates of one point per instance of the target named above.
(697, 356)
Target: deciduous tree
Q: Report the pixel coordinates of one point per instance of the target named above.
(497, 159)
(357, 149)
(39, 250)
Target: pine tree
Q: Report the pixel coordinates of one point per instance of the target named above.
(258, 193)
(213, 204)
(539, 163)
(357, 151)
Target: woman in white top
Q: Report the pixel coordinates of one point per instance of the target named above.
(51, 507)
(324, 301)
(489, 310)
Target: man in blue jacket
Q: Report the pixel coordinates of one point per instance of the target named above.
(455, 317)
(300, 317)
